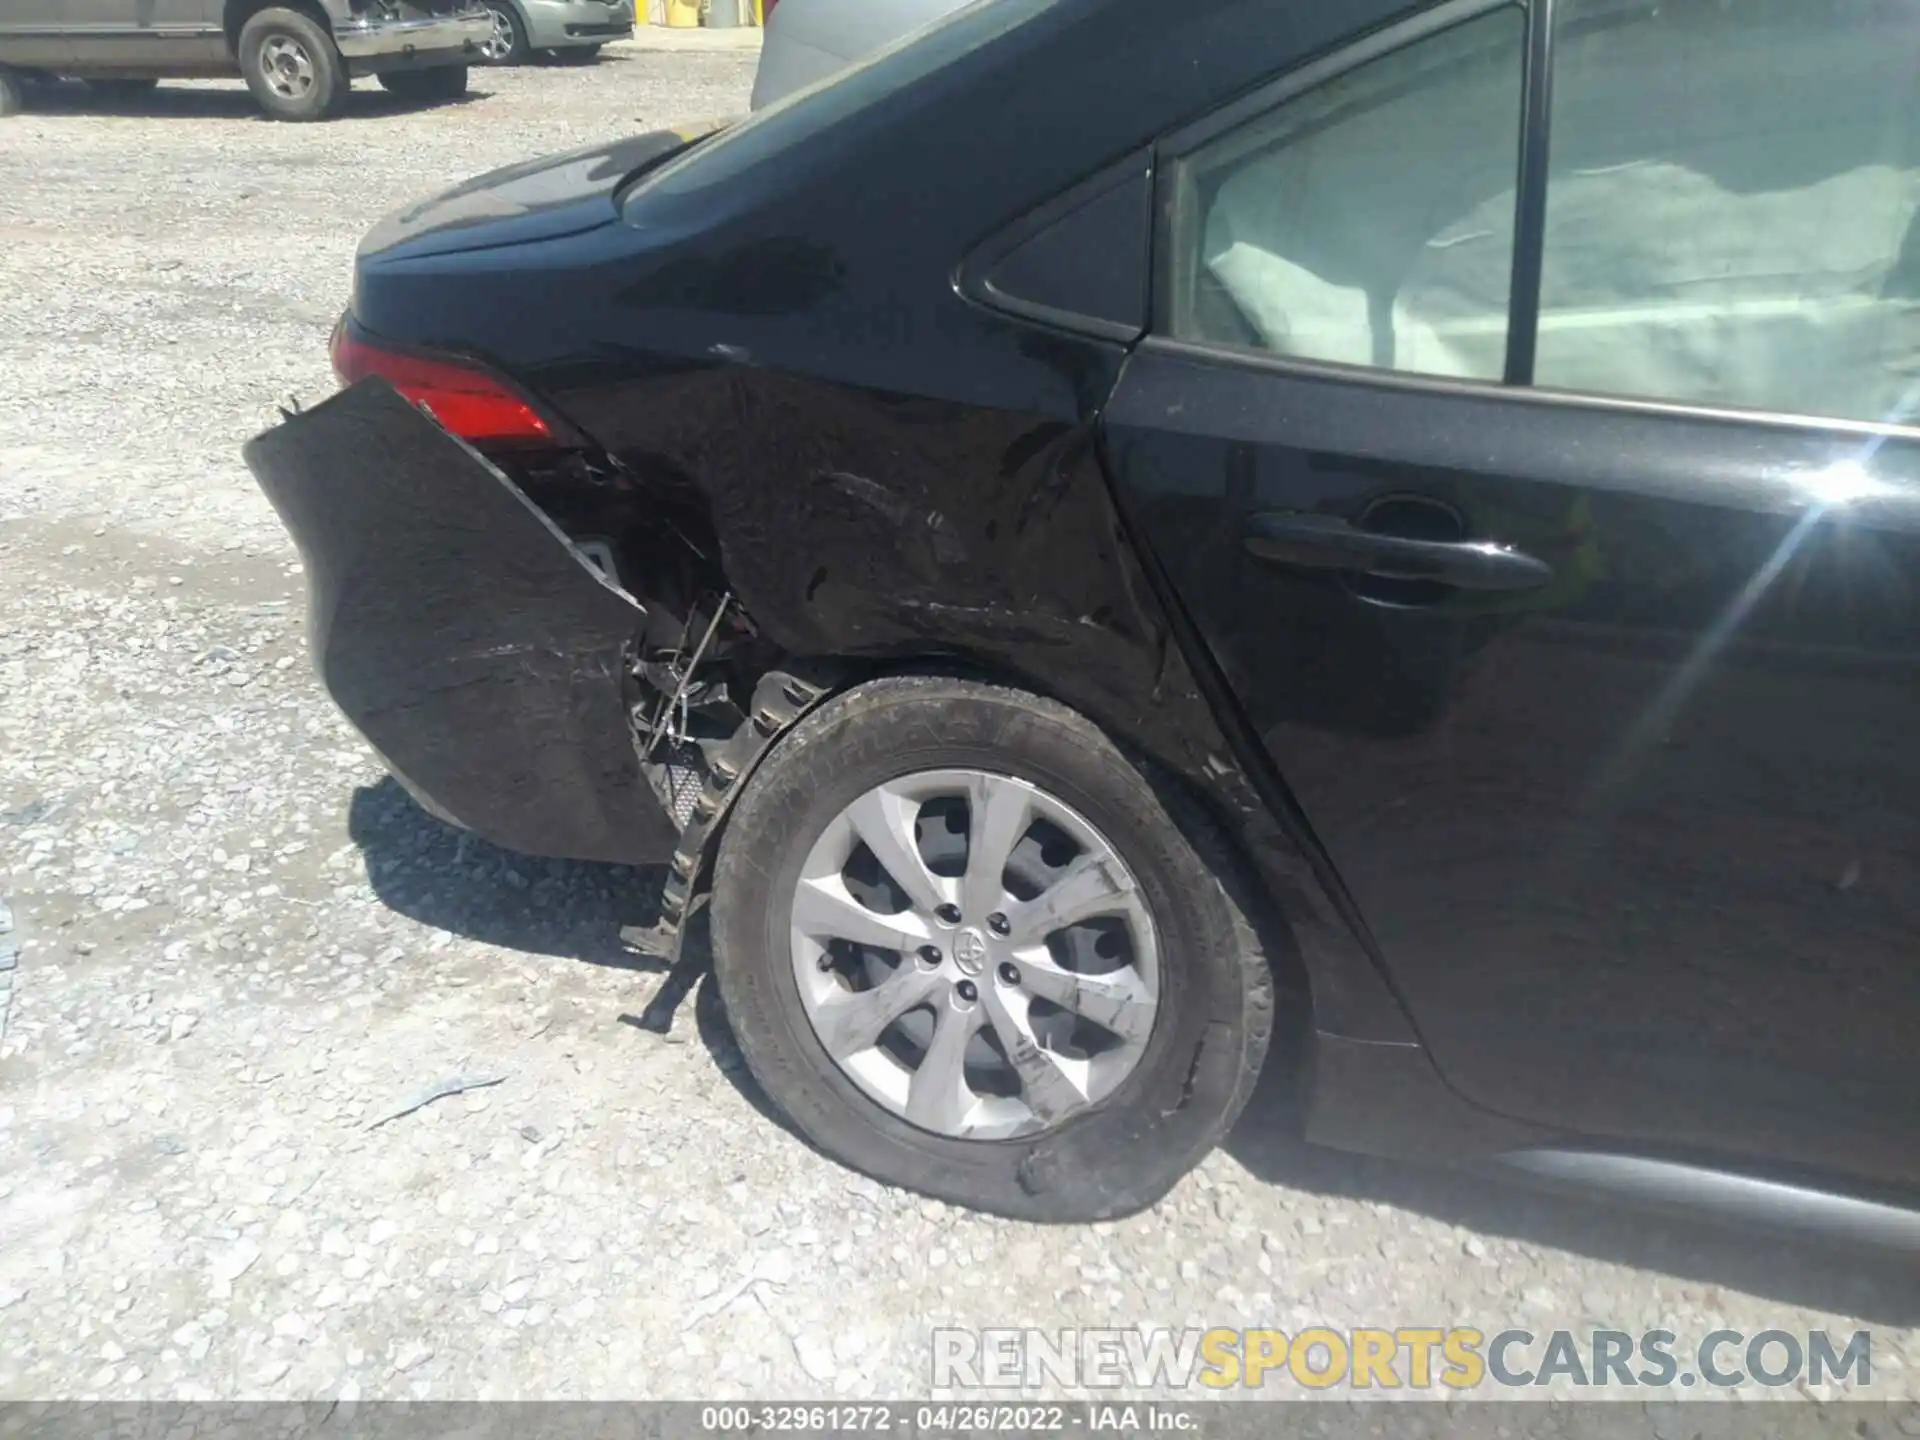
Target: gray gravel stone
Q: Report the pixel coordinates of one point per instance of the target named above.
(815, 1355)
(236, 1261)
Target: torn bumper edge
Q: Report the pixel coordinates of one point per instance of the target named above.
(480, 654)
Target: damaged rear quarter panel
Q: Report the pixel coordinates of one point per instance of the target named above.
(889, 470)
(858, 521)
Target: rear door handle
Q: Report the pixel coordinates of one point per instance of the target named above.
(1327, 542)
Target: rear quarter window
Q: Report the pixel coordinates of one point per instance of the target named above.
(699, 174)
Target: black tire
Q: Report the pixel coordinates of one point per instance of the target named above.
(1216, 990)
(317, 88)
(431, 86)
(507, 22)
(13, 93)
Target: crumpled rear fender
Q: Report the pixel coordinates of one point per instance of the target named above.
(460, 631)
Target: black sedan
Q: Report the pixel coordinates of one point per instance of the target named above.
(1089, 540)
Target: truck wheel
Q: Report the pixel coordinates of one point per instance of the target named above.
(442, 82)
(508, 43)
(292, 66)
(13, 93)
(971, 949)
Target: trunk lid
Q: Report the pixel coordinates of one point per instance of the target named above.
(543, 199)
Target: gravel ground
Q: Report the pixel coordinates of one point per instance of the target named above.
(238, 947)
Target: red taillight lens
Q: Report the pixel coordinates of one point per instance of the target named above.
(766, 10)
(480, 409)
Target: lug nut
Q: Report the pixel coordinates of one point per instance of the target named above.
(967, 992)
(997, 923)
(1009, 974)
(929, 955)
(948, 914)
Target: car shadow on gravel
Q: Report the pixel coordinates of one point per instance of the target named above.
(716, 1031)
(576, 910)
(453, 881)
(235, 102)
(1873, 1286)
(571, 909)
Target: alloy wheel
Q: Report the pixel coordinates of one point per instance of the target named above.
(499, 43)
(287, 67)
(974, 954)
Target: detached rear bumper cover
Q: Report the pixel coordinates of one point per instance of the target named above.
(461, 633)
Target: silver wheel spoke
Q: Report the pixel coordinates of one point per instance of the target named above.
(883, 818)
(938, 1097)
(1117, 1002)
(1000, 810)
(963, 977)
(500, 44)
(1049, 1091)
(288, 67)
(854, 1020)
(1092, 885)
(823, 910)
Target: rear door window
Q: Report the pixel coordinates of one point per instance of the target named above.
(1731, 204)
(1369, 220)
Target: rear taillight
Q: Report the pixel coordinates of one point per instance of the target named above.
(766, 10)
(474, 404)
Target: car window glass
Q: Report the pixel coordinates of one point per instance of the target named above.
(1731, 204)
(1369, 220)
(720, 161)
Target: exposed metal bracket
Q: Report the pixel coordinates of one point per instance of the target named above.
(779, 700)
(664, 721)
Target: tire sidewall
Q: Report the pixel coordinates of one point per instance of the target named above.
(330, 74)
(1113, 1157)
